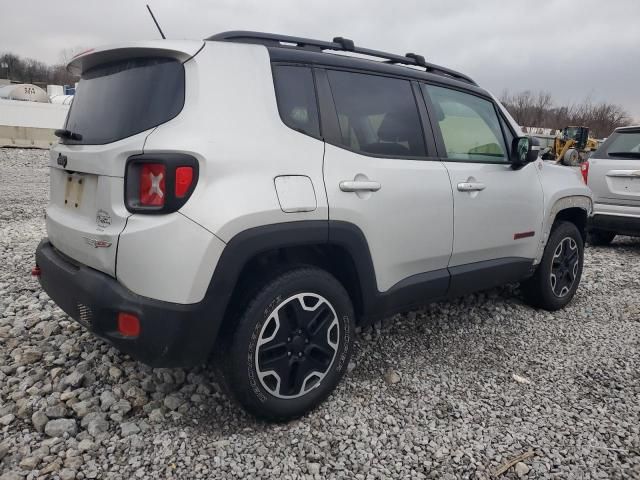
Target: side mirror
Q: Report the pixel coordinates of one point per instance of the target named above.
(524, 150)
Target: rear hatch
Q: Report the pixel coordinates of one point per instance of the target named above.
(123, 94)
(614, 169)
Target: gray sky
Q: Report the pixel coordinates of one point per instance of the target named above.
(502, 44)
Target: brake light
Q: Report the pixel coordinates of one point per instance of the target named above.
(584, 170)
(184, 177)
(128, 325)
(152, 184)
(159, 183)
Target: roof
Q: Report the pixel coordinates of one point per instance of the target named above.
(305, 50)
(630, 128)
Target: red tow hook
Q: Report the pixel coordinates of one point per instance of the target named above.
(35, 271)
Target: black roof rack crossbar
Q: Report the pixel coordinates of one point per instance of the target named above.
(338, 44)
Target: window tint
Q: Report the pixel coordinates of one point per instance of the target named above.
(622, 145)
(508, 134)
(296, 97)
(120, 99)
(377, 115)
(469, 124)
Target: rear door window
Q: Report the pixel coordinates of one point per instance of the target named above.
(296, 96)
(120, 99)
(469, 124)
(377, 115)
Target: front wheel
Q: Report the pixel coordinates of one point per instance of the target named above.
(557, 277)
(291, 345)
(571, 158)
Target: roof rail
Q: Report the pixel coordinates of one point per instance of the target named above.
(338, 44)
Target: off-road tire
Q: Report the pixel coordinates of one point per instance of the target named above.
(540, 290)
(242, 352)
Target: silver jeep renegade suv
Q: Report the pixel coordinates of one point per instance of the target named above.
(253, 198)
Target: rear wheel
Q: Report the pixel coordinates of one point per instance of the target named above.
(600, 237)
(557, 277)
(291, 346)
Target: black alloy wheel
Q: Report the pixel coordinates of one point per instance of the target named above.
(564, 267)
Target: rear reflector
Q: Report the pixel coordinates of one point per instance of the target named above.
(128, 325)
(152, 184)
(184, 177)
(35, 271)
(584, 170)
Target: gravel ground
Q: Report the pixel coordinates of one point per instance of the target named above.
(455, 390)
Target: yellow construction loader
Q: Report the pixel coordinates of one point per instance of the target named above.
(572, 147)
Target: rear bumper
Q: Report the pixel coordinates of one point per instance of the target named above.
(622, 225)
(171, 334)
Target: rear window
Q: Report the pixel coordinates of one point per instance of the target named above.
(622, 144)
(296, 97)
(117, 100)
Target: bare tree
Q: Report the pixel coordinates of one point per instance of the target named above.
(27, 70)
(539, 110)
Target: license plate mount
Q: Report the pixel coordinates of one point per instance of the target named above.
(73, 191)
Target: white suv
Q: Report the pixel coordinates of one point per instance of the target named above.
(252, 198)
(613, 173)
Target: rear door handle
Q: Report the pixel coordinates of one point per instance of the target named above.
(359, 186)
(471, 186)
(623, 173)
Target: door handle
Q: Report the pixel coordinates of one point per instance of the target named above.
(471, 186)
(623, 173)
(359, 186)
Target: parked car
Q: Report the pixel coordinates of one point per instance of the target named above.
(613, 173)
(253, 198)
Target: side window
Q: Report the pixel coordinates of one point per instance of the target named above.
(377, 115)
(296, 96)
(508, 134)
(469, 124)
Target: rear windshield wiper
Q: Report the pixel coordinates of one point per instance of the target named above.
(64, 133)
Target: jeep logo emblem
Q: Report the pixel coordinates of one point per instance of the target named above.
(62, 160)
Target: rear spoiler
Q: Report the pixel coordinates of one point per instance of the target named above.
(181, 50)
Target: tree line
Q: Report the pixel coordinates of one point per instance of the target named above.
(539, 110)
(28, 70)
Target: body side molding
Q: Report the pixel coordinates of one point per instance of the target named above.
(411, 292)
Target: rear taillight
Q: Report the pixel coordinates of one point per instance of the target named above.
(153, 184)
(184, 178)
(159, 183)
(584, 170)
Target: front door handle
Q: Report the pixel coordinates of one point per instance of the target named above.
(359, 186)
(471, 186)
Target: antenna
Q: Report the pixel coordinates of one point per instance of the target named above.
(156, 22)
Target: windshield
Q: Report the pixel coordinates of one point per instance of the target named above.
(621, 144)
(571, 133)
(118, 100)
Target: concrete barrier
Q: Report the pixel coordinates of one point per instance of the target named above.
(30, 124)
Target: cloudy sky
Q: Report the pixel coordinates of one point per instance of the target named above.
(572, 48)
